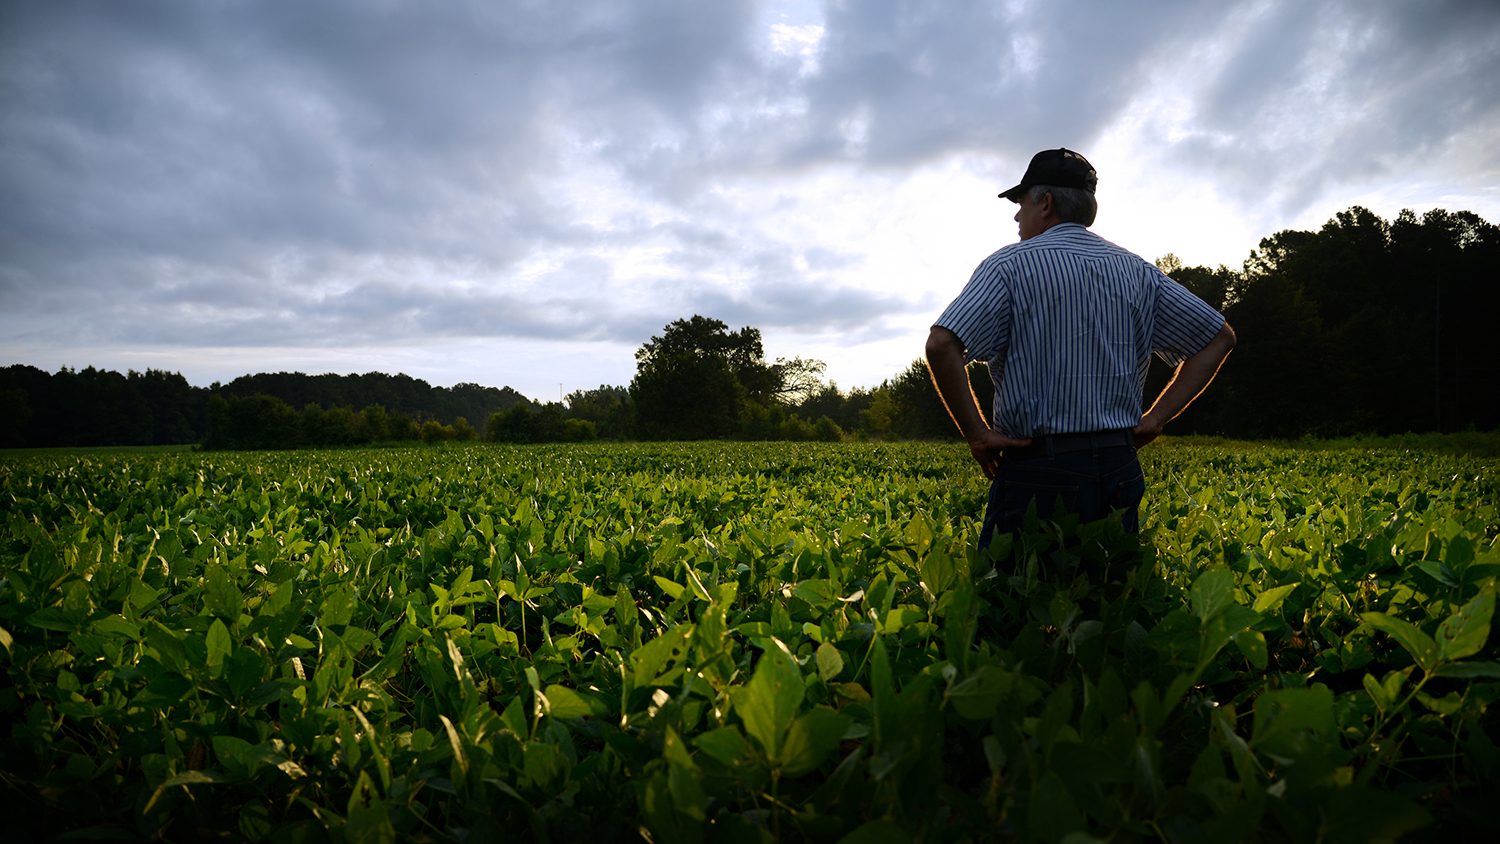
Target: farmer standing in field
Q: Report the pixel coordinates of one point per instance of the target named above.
(1067, 323)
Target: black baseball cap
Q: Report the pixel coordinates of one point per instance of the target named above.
(1058, 168)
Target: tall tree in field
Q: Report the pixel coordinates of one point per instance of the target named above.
(607, 408)
(691, 381)
(919, 413)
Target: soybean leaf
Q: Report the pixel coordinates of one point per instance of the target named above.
(141, 595)
(683, 780)
(192, 778)
(769, 701)
(673, 590)
(117, 625)
(236, 755)
(460, 758)
(1227, 623)
(1252, 644)
(817, 592)
(696, 583)
(243, 670)
(1463, 633)
(369, 817)
(1439, 572)
(725, 745)
(56, 618)
(184, 778)
(1394, 682)
(220, 596)
(666, 820)
(937, 569)
(337, 607)
(1423, 650)
(1377, 693)
(1473, 670)
(810, 739)
(959, 623)
(168, 647)
(544, 764)
(897, 619)
(1212, 592)
(978, 695)
(461, 581)
(1272, 598)
(244, 760)
(830, 661)
(1281, 714)
(564, 702)
(625, 609)
(1459, 553)
(1446, 705)
(219, 645)
(654, 662)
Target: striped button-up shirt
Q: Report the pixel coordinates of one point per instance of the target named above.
(1067, 322)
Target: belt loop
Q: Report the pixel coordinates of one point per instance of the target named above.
(1051, 451)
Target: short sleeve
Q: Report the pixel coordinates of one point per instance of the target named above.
(980, 316)
(1183, 323)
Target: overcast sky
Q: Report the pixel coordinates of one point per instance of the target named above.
(521, 193)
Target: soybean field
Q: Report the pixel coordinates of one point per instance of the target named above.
(743, 642)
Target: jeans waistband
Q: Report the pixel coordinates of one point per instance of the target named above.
(1049, 444)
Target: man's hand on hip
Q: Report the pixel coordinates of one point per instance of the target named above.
(987, 445)
(1148, 430)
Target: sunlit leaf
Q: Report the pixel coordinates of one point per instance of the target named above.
(219, 644)
(1212, 592)
(1464, 632)
(1423, 650)
(770, 700)
(830, 661)
(1270, 599)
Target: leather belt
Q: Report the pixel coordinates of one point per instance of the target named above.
(1049, 444)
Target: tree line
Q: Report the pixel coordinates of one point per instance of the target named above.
(1365, 326)
(92, 407)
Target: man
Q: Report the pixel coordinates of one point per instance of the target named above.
(1067, 323)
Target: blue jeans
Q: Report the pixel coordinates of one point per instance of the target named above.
(1090, 483)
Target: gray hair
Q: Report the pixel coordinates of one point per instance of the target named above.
(1071, 205)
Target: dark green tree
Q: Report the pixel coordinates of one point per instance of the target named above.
(916, 410)
(699, 380)
(251, 422)
(15, 418)
(692, 381)
(515, 425)
(608, 409)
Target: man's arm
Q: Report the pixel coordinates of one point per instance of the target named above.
(945, 361)
(1188, 382)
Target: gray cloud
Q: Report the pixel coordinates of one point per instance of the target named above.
(343, 172)
(798, 307)
(1315, 95)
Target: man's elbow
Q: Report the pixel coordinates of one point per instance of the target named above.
(941, 341)
(1227, 337)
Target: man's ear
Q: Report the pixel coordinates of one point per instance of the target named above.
(1046, 203)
